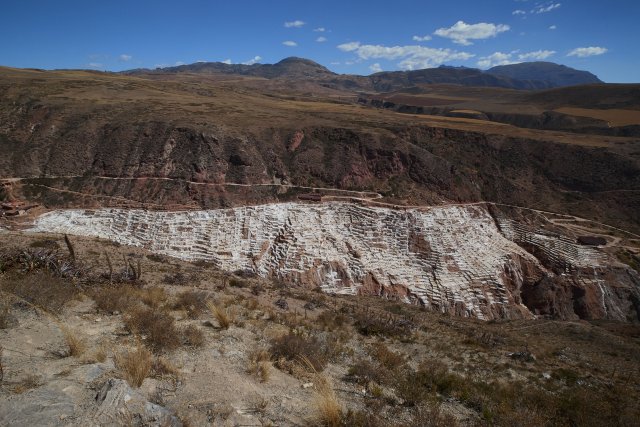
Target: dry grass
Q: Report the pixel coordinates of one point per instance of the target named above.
(134, 364)
(224, 316)
(75, 344)
(1, 367)
(259, 365)
(41, 289)
(615, 116)
(329, 411)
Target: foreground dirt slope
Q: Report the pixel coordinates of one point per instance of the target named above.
(72, 130)
(68, 328)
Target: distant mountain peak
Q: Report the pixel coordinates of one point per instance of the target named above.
(555, 74)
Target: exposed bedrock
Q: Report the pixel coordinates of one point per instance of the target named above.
(456, 259)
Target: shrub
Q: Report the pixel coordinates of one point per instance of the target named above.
(134, 364)
(158, 327)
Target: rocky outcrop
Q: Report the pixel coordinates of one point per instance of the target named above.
(120, 404)
(456, 259)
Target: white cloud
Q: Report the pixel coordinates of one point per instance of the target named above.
(319, 30)
(125, 57)
(582, 52)
(519, 12)
(294, 24)
(227, 61)
(253, 60)
(290, 43)
(461, 32)
(335, 63)
(95, 65)
(349, 47)
(553, 27)
(376, 68)
(421, 38)
(178, 63)
(538, 55)
(412, 57)
(545, 7)
(321, 39)
(497, 58)
(502, 58)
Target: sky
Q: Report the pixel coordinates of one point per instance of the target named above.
(346, 36)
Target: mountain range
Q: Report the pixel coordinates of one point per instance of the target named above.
(527, 75)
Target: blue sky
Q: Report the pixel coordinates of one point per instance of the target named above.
(356, 37)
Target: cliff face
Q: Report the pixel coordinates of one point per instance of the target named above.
(459, 260)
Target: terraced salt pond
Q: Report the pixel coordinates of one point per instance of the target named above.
(451, 258)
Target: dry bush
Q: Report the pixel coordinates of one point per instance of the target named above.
(134, 364)
(100, 354)
(157, 327)
(432, 416)
(176, 279)
(29, 382)
(75, 344)
(41, 289)
(259, 364)
(385, 357)
(224, 316)
(194, 303)
(192, 336)
(154, 296)
(120, 298)
(295, 347)
(331, 320)
(45, 244)
(115, 299)
(372, 324)
(4, 314)
(364, 372)
(161, 368)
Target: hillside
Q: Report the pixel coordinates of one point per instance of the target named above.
(554, 75)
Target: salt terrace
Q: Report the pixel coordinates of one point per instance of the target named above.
(442, 256)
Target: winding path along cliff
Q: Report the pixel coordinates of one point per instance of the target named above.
(464, 260)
